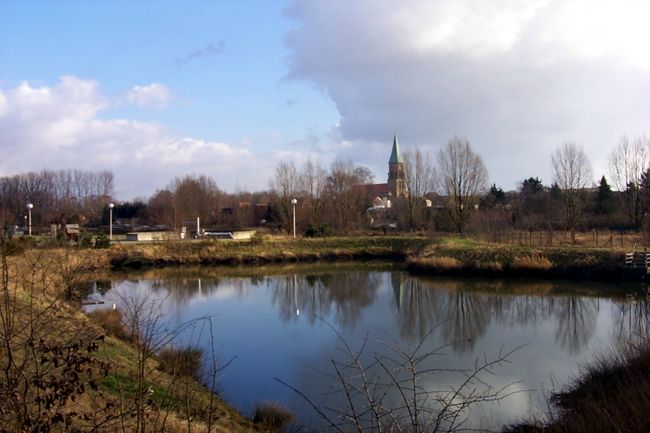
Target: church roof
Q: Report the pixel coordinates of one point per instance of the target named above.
(395, 155)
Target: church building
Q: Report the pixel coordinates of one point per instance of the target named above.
(396, 187)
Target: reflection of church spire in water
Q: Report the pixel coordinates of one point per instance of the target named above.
(398, 288)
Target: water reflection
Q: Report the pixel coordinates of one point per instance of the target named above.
(269, 320)
(632, 319)
(465, 309)
(339, 296)
(462, 310)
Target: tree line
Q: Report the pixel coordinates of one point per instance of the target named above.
(447, 191)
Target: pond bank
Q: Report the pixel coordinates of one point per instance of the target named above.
(434, 256)
(611, 395)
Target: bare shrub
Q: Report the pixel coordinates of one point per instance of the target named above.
(111, 321)
(272, 415)
(183, 362)
(387, 392)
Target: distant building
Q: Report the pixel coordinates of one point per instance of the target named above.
(382, 214)
(396, 186)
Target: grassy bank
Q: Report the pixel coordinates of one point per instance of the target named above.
(266, 250)
(449, 256)
(612, 395)
(64, 370)
(444, 255)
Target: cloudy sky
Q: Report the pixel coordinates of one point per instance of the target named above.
(154, 89)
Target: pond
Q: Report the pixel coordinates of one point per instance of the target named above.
(300, 325)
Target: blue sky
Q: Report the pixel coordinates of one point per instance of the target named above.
(157, 89)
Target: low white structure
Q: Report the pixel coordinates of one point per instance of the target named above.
(238, 235)
(156, 236)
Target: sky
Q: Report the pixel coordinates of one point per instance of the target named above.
(152, 90)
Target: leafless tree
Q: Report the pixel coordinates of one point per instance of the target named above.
(346, 202)
(286, 185)
(463, 177)
(572, 173)
(57, 195)
(195, 196)
(313, 179)
(420, 180)
(627, 162)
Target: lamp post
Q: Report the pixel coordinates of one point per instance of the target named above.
(29, 217)
(293, 205)
(110, 220)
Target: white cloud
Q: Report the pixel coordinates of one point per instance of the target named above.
(516, 77)
(59, 127)
(153, 95)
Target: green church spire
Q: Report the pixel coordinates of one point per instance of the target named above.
(395, 155)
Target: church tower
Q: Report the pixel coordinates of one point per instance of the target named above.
(396, 173)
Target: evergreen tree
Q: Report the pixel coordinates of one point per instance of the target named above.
(644, 187)
(495, 197)
(604, 198)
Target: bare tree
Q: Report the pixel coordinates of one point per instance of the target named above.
(286, 185)
(572, 173)
(420, 180)
(347, 202)
(313, 179)
(627, 162)
(195, 196)
(463, 177)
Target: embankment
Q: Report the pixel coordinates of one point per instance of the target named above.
(468, 259)
(611, 395)
(278, 250)
(438, 256)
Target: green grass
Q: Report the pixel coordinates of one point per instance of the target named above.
(126, 386)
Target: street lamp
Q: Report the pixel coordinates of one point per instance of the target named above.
(293, 205)
(110, 220)
(29, 217)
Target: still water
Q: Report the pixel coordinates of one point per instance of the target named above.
(293, 324)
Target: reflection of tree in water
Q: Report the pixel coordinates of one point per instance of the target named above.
(632, 321)
(464, 309)
(341, 295)
(462, 315)
(576, 321)
(182, 288)
(469, 316)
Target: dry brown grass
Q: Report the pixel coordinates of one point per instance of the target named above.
(111, 321)
(531, 263)
(490, 265)
(440, 262)
(36, 288)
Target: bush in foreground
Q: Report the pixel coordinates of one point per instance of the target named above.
(181, 362)
(272, 416)
(612, 395)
